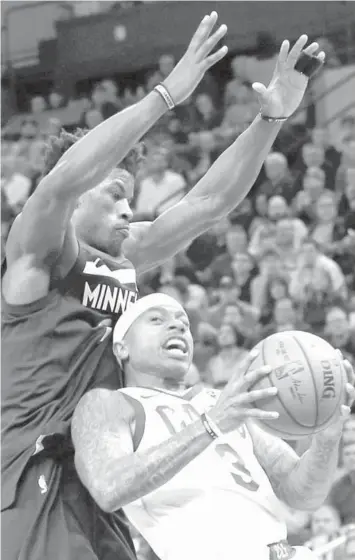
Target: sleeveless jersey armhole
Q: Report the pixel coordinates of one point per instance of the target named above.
(140, 416)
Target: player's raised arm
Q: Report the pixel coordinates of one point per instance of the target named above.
(231, 177)
(47, 213)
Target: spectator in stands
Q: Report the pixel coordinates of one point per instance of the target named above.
(265, 235)
(314, 156)
(349, 430)
(227, 361)
(232, 90)
(208, 117)
(339, 333)
(280, 181)
(93, 117)
(325, 527)
(304, 203)
(236, 119)
(205, 346)
(161, 187)
(52, 128)
(347, 162)
(236, 242)
(38, 105)
(284, 319)
(55, 100)
(270, 267)
(28, 150)
(274, 289)
(111, 102)
(342, 495)
(166, 64)
(243, 268)
(326, 228)
(320, 137)
(310, 260)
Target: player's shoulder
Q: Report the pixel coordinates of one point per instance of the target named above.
(111, 404)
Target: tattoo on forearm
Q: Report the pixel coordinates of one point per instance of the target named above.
(310, 482)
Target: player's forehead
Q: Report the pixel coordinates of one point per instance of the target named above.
(166, 311)
(121, 181)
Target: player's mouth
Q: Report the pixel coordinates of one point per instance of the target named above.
(124, 230)
(176, 347)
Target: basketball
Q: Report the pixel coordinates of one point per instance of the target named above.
(310, 379)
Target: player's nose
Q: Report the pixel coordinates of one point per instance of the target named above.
(124, 211)
(177, 325)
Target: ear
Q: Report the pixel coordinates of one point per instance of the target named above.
(120, 350)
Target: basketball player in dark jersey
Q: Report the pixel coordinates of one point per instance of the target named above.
(66, 279)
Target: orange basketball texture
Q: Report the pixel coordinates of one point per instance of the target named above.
(310, 379)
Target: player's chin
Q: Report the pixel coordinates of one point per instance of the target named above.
(178, 362)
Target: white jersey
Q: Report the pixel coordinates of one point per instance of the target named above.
(221, 505)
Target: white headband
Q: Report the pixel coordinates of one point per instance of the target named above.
(136, 309)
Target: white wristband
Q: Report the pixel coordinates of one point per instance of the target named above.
(214, 426)
(163, 92)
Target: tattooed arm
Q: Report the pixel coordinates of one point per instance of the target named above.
(114, 474)
(301, 482)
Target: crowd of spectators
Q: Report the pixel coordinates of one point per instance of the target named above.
(283, 260)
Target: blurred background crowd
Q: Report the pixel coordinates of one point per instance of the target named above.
(285, 258)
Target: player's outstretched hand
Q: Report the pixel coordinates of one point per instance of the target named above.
(235, 403)
(286, 89)
(197, 59)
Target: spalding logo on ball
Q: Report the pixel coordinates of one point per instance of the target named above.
(310, 379)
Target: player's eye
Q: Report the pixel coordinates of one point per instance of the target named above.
(156, 319)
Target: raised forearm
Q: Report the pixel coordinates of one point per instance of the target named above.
(92, 158)
(130, 478)
(231, 177)
(309, 483)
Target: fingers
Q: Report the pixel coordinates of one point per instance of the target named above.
(296, 50)
(261, 414)
(251, 377)
(209, 44)
(216, 57)
(258, 394)
(311, 49)
(203, 31)
(285, 46)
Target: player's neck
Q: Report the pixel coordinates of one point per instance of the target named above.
(133, 379)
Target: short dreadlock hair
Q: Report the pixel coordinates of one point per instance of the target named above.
(58, 145)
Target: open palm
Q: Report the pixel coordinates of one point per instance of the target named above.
(287, 87)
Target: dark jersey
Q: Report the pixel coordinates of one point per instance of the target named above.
(54, 351)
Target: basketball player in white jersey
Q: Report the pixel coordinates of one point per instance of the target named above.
(196, 476)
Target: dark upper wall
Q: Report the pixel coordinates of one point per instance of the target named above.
(87, 46)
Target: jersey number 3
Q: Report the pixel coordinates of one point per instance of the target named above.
(241, 475)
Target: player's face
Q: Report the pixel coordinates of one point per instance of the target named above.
(324, 522)
(160, 343)
(103, 216)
